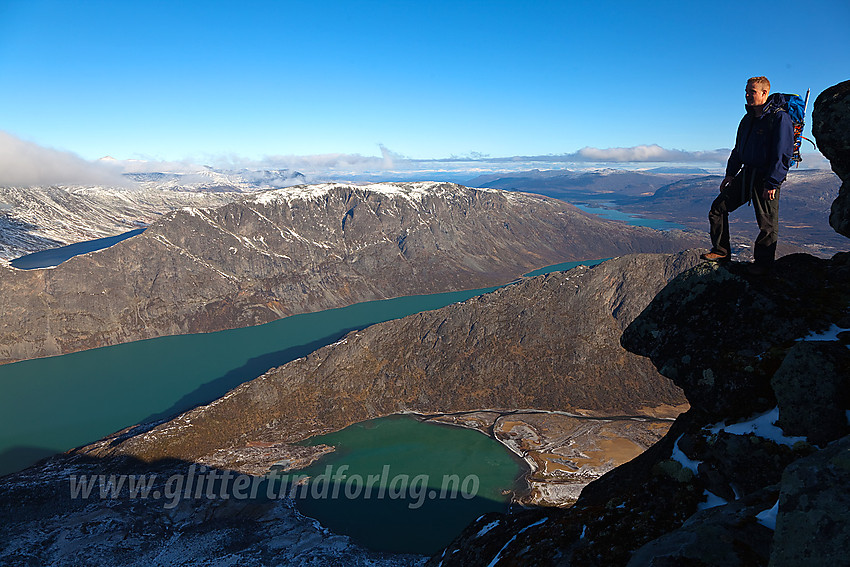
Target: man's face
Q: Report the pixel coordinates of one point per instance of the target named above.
(756, 94)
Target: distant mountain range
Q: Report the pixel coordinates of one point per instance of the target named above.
(300, 249)
(220, 180)
(685, 198)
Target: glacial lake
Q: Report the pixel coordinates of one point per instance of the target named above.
(55, 256)
(53, 404)
(400, 485)
(634, 220)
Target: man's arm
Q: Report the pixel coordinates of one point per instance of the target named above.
(780, 154)
(734, 163)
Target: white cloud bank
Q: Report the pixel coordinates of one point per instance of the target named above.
(652, 153)
(25, 164)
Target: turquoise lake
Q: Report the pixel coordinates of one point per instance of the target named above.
(392, 484)
(634, 220)
(49, 405)
(400, 485)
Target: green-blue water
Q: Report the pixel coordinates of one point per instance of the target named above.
(396, 484)
(53, 404)
(634, 220)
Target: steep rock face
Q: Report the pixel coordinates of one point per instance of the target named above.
(547, 343)
(831, 128)
(297, 250)
(707, 493)
(745, 327)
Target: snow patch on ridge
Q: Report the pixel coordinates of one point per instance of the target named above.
(830, 334)
(768, 517)
(413, 192)
(711, 501)
(487, 528)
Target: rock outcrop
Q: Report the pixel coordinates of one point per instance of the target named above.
(705, 492)
(295, 250)
(830, 126)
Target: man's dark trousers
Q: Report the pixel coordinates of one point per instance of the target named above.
(746, 185)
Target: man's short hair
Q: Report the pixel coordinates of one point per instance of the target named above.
(760, 81)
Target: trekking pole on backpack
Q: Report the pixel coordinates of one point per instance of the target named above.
(798, 118)
(799, 122)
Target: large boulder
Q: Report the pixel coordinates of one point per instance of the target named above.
(813, 389)
(811, 523)
(721, 334)
(831, 129)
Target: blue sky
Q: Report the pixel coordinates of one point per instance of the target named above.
(248, 80)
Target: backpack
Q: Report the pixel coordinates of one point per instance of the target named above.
(795, 106)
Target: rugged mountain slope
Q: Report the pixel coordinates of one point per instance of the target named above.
(38, 218)
(296, 250)
(546, 343)
(549, 342)
(42, 525)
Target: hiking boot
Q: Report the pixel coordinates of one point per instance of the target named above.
(715, 257)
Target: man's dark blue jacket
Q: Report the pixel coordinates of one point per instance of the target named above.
(765, 142)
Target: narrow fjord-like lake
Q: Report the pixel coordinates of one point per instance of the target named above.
(55, 256)
(634, 220)
(49, 405)
(57, 403)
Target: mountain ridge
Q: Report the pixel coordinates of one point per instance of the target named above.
(264, 257)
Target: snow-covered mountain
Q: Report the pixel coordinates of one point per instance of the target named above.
(209, 179)
(38, 218)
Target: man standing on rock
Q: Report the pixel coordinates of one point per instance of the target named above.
(756, 168)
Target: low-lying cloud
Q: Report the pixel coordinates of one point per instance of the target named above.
(393, 166)
(390, 161)
(652, 153)
(320, 163)
(25, 164)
